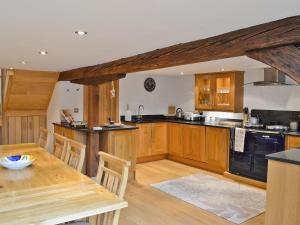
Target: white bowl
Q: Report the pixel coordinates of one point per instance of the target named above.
(16, 162)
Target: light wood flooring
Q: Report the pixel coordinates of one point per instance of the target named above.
(148, 206)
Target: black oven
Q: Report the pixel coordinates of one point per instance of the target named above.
(252, 162)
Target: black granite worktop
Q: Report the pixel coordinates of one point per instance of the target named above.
(87, 130)
(161, 118)
(290, 156)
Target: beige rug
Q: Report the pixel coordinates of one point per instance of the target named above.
(232, 201)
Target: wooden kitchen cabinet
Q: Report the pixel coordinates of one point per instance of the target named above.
(220, 91)
(194, 143)
(292, 142)
(144, 138)
(217, 147)
(159, 139)
(175, 139)
(152, 138)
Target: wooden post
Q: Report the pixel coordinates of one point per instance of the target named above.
(93, 137)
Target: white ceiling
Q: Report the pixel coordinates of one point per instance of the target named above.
(120, 28)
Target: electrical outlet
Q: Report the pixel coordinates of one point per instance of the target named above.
(76, 110)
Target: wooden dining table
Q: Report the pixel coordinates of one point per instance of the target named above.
(49, 191)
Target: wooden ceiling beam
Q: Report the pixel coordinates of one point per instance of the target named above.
(284, 58)
(98, 80)
(236, 43)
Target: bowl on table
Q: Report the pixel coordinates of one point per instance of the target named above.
(16, 162)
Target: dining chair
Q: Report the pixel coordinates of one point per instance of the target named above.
(113, 175)
(60, 146)
(44, 139)
(75, 155)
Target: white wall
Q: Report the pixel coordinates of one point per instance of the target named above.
(179, 90)
(272, 98)
(65, 96)
(170, 90)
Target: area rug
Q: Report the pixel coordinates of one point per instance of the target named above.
(232, 201)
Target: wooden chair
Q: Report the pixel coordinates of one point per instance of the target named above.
(113, 175)
(75, 155)
(44, 139)
(60, 146)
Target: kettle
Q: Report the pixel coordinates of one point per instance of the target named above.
(179, 113)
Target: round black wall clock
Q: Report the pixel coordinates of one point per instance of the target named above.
(149, 84)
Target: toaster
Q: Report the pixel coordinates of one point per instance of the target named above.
(192, 116)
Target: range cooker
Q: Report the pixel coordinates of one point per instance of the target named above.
(259, 142)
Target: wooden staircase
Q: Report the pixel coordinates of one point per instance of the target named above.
(25, 96)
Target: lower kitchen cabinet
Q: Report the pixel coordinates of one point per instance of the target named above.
(217, 147)
(292, 142)
(152, 139)
(194, 143)
(175, 139)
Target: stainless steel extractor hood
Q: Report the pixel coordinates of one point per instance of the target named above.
(272, 77)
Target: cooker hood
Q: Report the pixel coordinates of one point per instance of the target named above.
(272, 77)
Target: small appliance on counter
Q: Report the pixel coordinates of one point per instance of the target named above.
(194, 116)
(179, 113)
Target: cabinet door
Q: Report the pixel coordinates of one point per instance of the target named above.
(58, 129)
(194, 143)
(175, 139)
(69, 133)
(159, 138)
(144, 146)
(292, 142)
(224, 95)
(217, 147)
(204, 92)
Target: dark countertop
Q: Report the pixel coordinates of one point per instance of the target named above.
(293, 133)
(171, 120)
(86, 130)
(290, 156)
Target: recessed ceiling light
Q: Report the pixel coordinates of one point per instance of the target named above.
(23, 62)
(222, 69)
(81, 32)
(181, 73)
(11, 68)
(43, 52)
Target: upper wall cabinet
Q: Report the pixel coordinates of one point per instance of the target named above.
(220, 91)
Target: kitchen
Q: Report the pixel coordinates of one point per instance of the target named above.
(101, 124)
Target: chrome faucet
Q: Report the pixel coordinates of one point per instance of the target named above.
(141, 107)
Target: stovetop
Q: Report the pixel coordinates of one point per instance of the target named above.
(271, 129)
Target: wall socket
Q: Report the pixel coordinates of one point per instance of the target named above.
(76, 110)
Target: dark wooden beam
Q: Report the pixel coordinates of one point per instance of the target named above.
(283, 58)
(93, 144)
(98, 80)
(236, 43)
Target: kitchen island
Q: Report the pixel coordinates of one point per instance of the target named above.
(283, 195)
(118, 141)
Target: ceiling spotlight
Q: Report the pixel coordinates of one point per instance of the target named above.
(81, 33)
(222, 69)
(181, 73)
(43, 52)
(23, 62)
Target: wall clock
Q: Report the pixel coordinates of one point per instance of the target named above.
(149, 84)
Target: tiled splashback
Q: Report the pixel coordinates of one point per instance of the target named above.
(275, 116)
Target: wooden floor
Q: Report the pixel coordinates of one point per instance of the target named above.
(148, 206)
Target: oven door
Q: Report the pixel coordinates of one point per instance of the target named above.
(241, 162)
(262, 145)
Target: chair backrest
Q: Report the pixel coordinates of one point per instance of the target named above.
(113, 175)
(60, 146)
(75, 155)
(44, 139)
